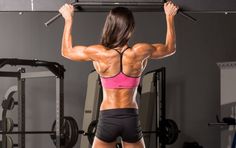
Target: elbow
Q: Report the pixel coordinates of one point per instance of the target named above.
(171, 49)
(64, 52)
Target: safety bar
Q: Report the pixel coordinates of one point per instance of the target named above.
(54, 67)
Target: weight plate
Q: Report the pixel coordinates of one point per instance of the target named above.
(92, 130)
(10, 124)
(9, 142)
(69, 135)
(168, 132)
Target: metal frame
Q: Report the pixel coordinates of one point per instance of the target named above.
(91, 105)
(160, 75)
(21, 109)
(55, 70)
(159, 82)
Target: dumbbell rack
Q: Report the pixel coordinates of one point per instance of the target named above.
(56, 71)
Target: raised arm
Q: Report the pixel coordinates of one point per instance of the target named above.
(77, 53)
(158, 50)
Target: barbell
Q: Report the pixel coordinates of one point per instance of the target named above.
(69, 133)
(167, 132)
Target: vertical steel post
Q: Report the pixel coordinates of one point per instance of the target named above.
(59, 110)
(157, 100)
(21, 109)
(163, 98)
(160, 84)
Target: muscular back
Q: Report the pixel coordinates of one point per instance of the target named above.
(109, 64)
(107, 61)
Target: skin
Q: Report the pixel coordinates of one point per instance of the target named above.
(107, 63)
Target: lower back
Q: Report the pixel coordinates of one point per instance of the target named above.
(119, 98)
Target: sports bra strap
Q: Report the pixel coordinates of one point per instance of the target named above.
(121, 55)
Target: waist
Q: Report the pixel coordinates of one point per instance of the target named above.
(108, 104)
(118, 112)
(119, 98)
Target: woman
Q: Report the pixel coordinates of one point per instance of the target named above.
(119, 67)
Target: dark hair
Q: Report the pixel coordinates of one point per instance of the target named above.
(118, 27)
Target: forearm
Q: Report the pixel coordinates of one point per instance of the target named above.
(170, 34)
(66, 45)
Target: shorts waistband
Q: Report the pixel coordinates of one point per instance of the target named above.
(119, 111)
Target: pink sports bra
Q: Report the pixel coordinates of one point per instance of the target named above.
(120, 80)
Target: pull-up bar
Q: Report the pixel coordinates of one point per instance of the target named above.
(106, 6)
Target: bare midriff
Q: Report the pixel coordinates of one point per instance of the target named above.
(119, 98)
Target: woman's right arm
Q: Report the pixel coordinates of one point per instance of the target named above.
(78, 52)
(158, 50)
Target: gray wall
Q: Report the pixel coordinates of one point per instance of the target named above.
(193, 88)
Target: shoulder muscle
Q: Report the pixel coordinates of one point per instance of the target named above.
(143, 49)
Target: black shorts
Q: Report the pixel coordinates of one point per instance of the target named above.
(122, 123)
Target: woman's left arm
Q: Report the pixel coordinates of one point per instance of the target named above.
(76, 53)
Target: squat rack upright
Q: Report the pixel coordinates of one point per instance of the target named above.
(56, 71)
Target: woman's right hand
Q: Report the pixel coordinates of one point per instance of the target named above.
(67, 12)
(170, 8)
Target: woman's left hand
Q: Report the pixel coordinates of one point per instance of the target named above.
(170, 8)
(67, 12)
